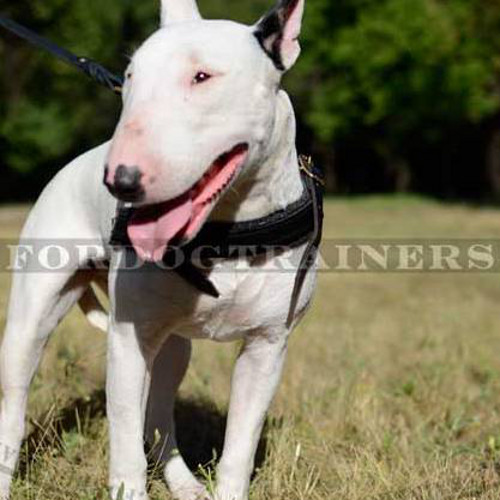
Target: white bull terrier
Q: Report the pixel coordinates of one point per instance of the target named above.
(205, 134)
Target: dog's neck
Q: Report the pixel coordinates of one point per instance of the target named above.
(273, 184)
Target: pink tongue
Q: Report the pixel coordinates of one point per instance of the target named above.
(150, 235)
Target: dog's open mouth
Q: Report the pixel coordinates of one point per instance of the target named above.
(153, 227)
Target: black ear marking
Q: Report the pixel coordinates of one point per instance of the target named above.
(270, 30)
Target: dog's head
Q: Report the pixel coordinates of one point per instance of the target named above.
(199, 106)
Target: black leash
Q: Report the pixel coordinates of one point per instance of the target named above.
(92, 69)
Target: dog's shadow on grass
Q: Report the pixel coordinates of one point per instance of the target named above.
(200, 430)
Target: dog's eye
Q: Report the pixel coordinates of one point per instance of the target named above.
(129, 75)
(201, 77)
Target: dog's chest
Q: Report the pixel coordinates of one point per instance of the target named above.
(251, 298)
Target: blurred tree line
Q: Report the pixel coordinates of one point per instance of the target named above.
(391, 95)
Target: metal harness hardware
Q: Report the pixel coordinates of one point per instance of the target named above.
(306, 166)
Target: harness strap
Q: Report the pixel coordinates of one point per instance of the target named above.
(91, 68)
(315, 185)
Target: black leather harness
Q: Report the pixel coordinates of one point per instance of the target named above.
(298, 224)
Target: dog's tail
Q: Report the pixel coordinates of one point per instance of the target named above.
(94, 310)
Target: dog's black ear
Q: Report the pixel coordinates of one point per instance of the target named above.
(278, 32)
(178, 10)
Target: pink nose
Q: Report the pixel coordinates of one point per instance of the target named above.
(124, 175)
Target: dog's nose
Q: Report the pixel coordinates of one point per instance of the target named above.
(126, 185)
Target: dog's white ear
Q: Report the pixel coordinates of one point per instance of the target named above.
(173, 11)
(279, 30)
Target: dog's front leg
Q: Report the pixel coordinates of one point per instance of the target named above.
(255, 380)
(127, 389)
(169, 369)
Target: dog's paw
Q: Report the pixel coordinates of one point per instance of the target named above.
(123, 493)
(5, 482)
(192, 491)
(223, 492)
(204, 496)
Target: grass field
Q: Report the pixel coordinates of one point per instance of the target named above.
(391, 390)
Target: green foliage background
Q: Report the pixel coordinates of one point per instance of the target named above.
(391, 94)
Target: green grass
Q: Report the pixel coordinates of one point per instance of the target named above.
(391, 389)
